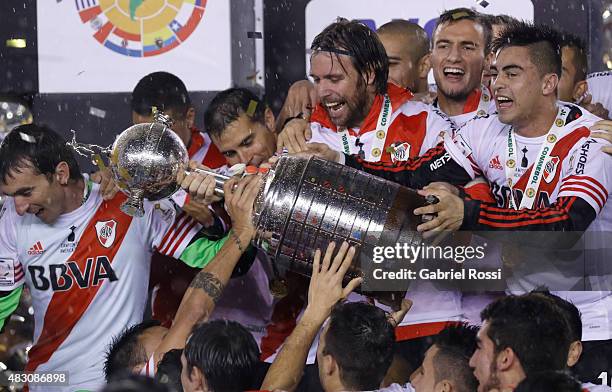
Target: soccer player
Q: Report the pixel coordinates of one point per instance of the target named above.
(407, 48)
(573, 86)
(85, 262)
(460, 44)
(166, 92)
(355, 347)
(362, 114)
(520, 336)
(140, 348)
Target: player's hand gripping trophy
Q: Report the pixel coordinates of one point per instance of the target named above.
(304, 203)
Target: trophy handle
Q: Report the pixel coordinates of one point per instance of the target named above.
(133, 206)
(219, 179)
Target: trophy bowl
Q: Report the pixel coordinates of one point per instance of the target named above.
(145, 161)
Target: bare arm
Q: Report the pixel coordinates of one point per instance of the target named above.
(207, 286)
(324, 291)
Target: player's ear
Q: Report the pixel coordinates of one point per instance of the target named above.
(580, 89)
(424, 65)
(269, 119)
(550, 82)
(190, 117)
(62, 173)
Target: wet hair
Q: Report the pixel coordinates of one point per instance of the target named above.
(125, 350)
(356, 40)
(542, 41)
(533, 327)
(135, 383)
(570, 311)
(580, 60)
(163, 90)
(37, 147)
(360, 339)
(459, 14)
(419, 41)
(225, 352)
(549, 381)
(456, 344)
(227, 106)
(169, 370)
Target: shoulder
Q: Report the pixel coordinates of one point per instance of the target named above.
(599, 75)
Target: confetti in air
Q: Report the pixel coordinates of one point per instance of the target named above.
(254, 34)
(97, 112)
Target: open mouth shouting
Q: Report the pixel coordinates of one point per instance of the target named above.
(503, 102)
(453, 73)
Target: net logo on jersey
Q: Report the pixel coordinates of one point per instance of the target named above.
(106, 232)
(36, 249)
(141, 28)
(550, 169)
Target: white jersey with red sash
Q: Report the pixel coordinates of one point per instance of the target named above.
(413, 128)
(573, 167)
(479, 102)
(88, 276)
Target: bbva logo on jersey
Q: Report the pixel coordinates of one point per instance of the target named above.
(106, 232)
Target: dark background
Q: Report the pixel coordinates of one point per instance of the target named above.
(284, 60)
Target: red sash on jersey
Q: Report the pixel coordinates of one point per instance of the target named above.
(561, 149)
(67, 307)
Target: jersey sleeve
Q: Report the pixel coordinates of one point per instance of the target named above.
(12, 274)
(436, 164)
(590, 174)
(168, 229)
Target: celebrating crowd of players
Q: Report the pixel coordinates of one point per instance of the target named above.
(514, 140)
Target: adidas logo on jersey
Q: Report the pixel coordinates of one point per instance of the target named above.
(495, 163)
(36, 249)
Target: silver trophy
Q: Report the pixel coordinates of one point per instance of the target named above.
(303, 204)
(145, 160)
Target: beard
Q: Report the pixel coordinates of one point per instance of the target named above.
(357, 106)
(492, 383)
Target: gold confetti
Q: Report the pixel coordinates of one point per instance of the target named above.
(18, 43)
(99, 161)
(251, 109)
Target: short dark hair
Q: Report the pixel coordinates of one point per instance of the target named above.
(580, 60)
(225, 352)
(360, 339)
(420, 39)
(355, 39)
(135, 383)
(569, 310)
(458, 14)
(169, 370)
(527, 321)
(227, 106)
(125, 351)
(543, 42)
(501, 19)
(549, 381)
(163, 90)
(456, 345)
(37, 147)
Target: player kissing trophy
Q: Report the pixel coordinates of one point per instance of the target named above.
(303, 204)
